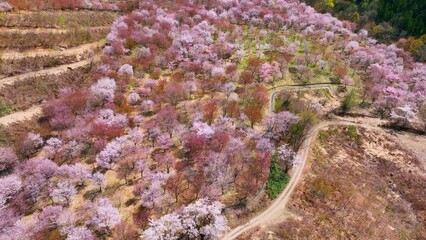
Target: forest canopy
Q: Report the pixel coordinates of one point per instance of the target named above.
(386, 21)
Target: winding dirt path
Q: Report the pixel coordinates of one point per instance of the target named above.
(24, 30)
(283, 88)
(50, 71)
(20, 116)
(12, 55)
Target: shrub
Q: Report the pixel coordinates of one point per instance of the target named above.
(8, 159)
(349, 101)
(5, 7)
(59, 114)
(126, 69)
(29, 145)
(277, 180)
(103, 91)
(5, 109)
(353, 134)
(320, 189)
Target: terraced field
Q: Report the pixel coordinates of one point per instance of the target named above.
(44, 52)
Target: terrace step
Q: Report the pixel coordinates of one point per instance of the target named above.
(50, 71)
(13, 62)
(20, 116)
(21, 39)
(14, 55)
(57, 19)
(38, 30)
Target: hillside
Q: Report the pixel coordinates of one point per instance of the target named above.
(196, 119)
(360, 182)
(402, 21)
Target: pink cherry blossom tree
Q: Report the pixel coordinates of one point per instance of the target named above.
(104, 216)
(201, 219)
(8, 159)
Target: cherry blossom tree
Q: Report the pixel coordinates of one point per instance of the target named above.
(218, 171)
(133, 98)
(99, 179)
(166, 159)
(9, 187)
(104, 216)
(8, 159)
(35, 174)
(62, 192)
(53, 146)
(5, 7)
(286, 157)
(404, 116)
(278, 123)
(76, 173)
(203, 129)
(168, 226)
(80, 233)
(175, 92)
(109, 118)
(109, 155)
(126, 69)
(202, 219)
(265, 72)
(150, 190)
(228, 88)
(103, 90)
(48, 218)
(164, 141)
(30, 144)
(167, 119)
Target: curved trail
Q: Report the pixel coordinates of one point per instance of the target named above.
(281, 201)
(20, 116)
(50, 71)
(275, 90)
(12, 55)
(23, 30)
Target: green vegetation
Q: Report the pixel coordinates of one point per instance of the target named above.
(323, 136)
(5, 137)
(386, 21)
(320, 189)
(298, 131)
(353, 134)
(278, 104)
(349, 101)
(5, 109)
(61, 20)
(407, 15)
(277, 180)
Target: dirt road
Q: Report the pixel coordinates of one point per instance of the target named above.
(24, 30)
(20, 116)
(6, 55)
(50, 71)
